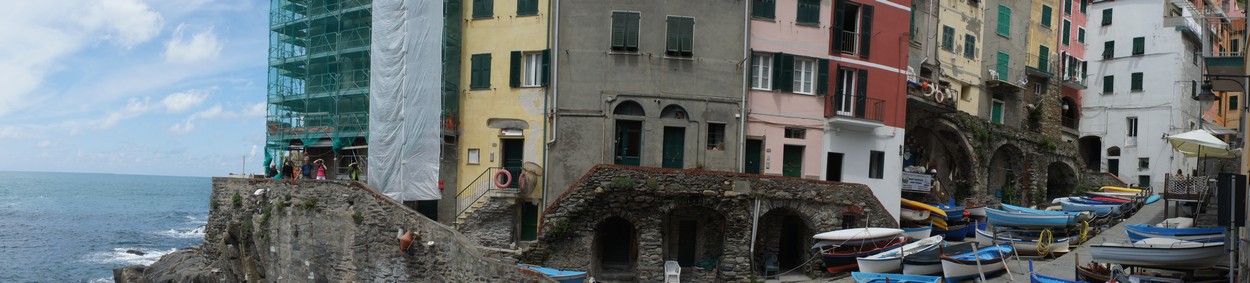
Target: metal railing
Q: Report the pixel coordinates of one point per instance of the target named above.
(1036, 63)
(1000, 74)
(861, 107)
(481, 186)
(850, 42)
(1069, 122)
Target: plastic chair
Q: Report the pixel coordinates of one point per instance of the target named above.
(771, 265)
(672, 272)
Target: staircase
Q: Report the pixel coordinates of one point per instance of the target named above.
(478, 192)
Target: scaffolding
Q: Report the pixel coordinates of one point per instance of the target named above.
(318, 98)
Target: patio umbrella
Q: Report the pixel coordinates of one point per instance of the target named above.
(1200, 143)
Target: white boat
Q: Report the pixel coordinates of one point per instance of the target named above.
(986, 260)
(918, 233)
(930, 262)
(1160, 253)
(859, 236)
(1022, 244)
(891, 261)
(913, 214)
(1178, 222)
(976, 210)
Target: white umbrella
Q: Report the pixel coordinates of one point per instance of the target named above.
(1200, 143)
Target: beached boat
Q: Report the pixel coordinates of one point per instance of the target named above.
(1030, 220)
(956, 232)
(844, 258)
(1178, 222)
(891, 261)
(965, 266)
(1119, 189)
(913, 214)
(979, 224)
(922, 206)
(1024, 244)
(937, 221)
(1093, 273)
(1110, 200)
(930, 262)
(1122, 195)
(976, 210)
(1035, 277)
(863, 277)
(1095, 208)
(918, 233)
(1152, 199)
(1160, 253)
(953, 212)
(1138, 232)
(858, 236)
(562, 276)
(1025, 210)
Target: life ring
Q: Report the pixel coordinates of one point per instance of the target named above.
(941, 97)
(505, 173)
(926, 89)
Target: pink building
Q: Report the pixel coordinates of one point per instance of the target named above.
(1072, 32)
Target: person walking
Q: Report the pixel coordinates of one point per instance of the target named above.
(321, 169)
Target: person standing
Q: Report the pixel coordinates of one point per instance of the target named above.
(288, 171)
(307, 168)
(354, 171)
(321, 169)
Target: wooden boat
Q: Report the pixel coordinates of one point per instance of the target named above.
(562, 276)
(859, 236)
(937, 221)
(930, 262)
(1160, 253)
(1120, 189)
(1138, 232)
(918, 233)
(1035, 277)
(863, 277)
(1023, 244)
(976, 210)
(1127, 196)
(922, 206)
(1093, 273)
(1178, 222)
(1030, 220)
(844, 258)
(953, 212)
(913, 214)
(1095, 208)
(891, 261)
(965, 266)
(956, 232)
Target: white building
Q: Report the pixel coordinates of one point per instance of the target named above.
(1144, 65)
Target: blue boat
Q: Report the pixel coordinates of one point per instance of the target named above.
(956, 232)
(953, 212)
(1099, 209)
(1086, 200)
(1035, 277)
(966, 266)
(1008, 207)
(976, 225)
(1152, 199)
(563, 276)
(1030, 220)
(865, 277)
(1138, 232)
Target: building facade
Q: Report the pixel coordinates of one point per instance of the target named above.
(1072, 68)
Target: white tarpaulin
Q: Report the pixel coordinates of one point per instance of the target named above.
(405, 98)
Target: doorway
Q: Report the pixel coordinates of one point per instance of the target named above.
(674, 147)
(752, 158)
(792, 161)
(529, 221)
(833, 167)
(513, 158)
(628, 142)
(687, 241)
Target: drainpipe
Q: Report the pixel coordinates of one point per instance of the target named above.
(755, 221)
(554, 22)
(746, 85)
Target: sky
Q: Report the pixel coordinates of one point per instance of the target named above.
(133, 86)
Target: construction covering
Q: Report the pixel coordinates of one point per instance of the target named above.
(405, 98)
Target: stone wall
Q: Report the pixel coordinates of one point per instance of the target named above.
(493, 224)
(324, 231)
(647, 198)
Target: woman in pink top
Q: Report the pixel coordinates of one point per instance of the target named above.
(321, 169)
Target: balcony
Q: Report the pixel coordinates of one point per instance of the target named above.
(1042, 66)
(940, 99)
(1069, 122)
(854, 112)
(849, 43)
(1003, 77)
(1226, 63)
(1074, 79)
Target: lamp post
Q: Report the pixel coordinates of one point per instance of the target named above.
(1206, 95)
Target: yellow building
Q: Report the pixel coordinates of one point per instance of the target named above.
(503, 85)
(959, 53)
(1043, 39)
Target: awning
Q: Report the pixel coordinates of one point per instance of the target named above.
(1218, 130)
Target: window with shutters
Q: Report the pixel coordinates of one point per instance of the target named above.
(848, 89)
(1046, 15)
(763, 9)
(1235, 47)
(970, 46)
(483, 9)
(1080, 35)
(1232, 102)
(996, 111)
(1067, 6)
(527, 7)
(804, 75)
(876, 164)
(1108, 49)
(1135, 82)
(1004, 21)
(1108, 84)
(1067, 32)
(532, 77)
(625, 31)
(1083, 6)
(809, 13)
(761, 71)
(715, 136)
(1106, 16)
(852, 28)
(948, 38)
(479, 71)
(1139, 45)
(680, 36)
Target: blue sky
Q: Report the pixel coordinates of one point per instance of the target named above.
(133, 86)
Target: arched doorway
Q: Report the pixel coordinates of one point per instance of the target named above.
(693, 236)
(785, 234)
(628, 145)
(1113, 160)
(1060, 180)
(936, 146)
(615, 246)
(1004, 178)
(1091, 152)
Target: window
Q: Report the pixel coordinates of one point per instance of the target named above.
(796, 133)
(1143, 181)
(1067, 6)
(1004, 20)
(996, 112)
(475, 156)
(876, 164)
(761, 71)
(1067, 31)
(809, 12)
(532, 77)
(948, 38)
(680, 36)
(763, 9)
(1136, 81)
(1106, 16)
(804, 75)
(1139, 45)
(849, 94)
(625, 31)
(527, 7)
(1193, 88)
(1001, 69)
(852, 29)
(1108, 50)
(1046, 15)
(970, 46)
(715, 136)
(1235, 47)
(1083, 6)
(1232, 102)
(483, 9)
(1143, 163)
(1108, 84)
(479, 71)
(1080, 35)
(1132, 127)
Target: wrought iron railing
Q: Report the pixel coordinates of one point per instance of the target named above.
(850, 42)
(1069, 122)
(481, 186)
(860, 107)
(1041, 63)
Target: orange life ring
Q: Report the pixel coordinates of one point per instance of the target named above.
(506, 174)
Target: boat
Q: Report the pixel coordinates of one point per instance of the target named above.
(1152, 199)
(969, 265)
(864, 277)
(938, 222)
(844, 258)
(922, 206)
(1110, 200)
(1030, 220)
(562, 276)
(1119, 189)
(1035, 277)
(918, 233)
(1178, 222)
(858, 236)
(956, 232)
(930, 262)
(1138, 232)
(1012, 208)
(1122, 195)
(891, 261)
(1095, 208)
(1160, 253)
(1022, 243)
(913, 214)
(953, 212)
(976, 210)
(974, 226)
(1093, 273)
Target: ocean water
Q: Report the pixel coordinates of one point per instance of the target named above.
(77, 227)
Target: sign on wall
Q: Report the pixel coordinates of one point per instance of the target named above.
(917, 182)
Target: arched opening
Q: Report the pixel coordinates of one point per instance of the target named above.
(1060, 180)
(672, 111)
(693, 236)
(1113, 160)
(628, 145)
(935, 146)
(784, 236)
(616, 246)
(629, 108)
(1004, 180)
(1090, 148)
(1069, 112)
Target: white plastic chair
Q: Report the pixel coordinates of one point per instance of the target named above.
(672, 272)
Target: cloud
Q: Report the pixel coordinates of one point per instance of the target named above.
(182, 101)
(184, 127)
(125, 22)
(44, 144)
(217, 112)
(200, 47)
(254, 149)
(134, 108)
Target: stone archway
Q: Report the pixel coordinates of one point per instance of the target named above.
(1090, 148)
(938, 145)
(615, 247)
(693, 236)
(1061, 180)
(785, 234)
(1005, 171)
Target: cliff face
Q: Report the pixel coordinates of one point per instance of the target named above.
(320, 231)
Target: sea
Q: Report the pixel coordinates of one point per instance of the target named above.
(78, 227)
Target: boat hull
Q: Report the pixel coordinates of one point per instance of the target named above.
(1180, 255)
(1201, 235)
(913, 214)
(918, 233)
(956, 272)
(1029, 220)
(1022, 246)
(866, 277)
(922, 206)
(847, 256)
(891, 261)
(1096, 208)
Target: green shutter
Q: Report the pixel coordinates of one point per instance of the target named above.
(835, 38)
(618, 31)
(1004, 20)
(1043, 58)
(1067, 6)
(1083, 5)
(861, 95)
(1232, 99)
(1108, 50)
(822, 76)
(674, 37)
(546, 70)
(1003, 66)
(527, 7)
(970, 46)
(631, 31)
(1135, 83)
(865, 30)
(1046, 15)
(490, 8)
(687, 40)
(1080, 35)
(948, 38)
(787, 73)
(763, 8)
(1193, 88)
(1106, 16)
(1067, 32)
(777, 74)
(1108, 84)
(1139, 45)
(514, 70)
(486, 71)
(911, 29)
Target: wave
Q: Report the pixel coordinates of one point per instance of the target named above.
(102, 280)
(197, 220)
(120, 255)
(198, 232)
